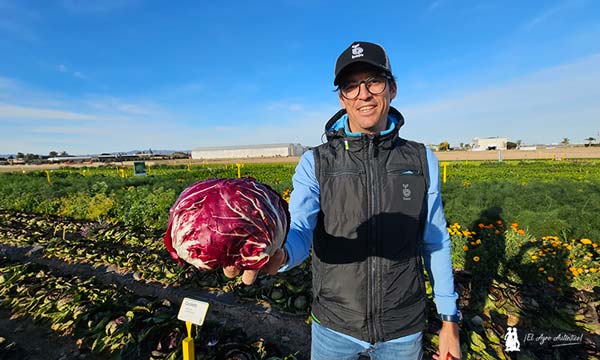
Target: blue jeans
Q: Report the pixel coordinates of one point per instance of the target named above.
(329, 345)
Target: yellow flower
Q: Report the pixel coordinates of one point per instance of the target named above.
(540, 269)
(550, 278)
(595, 245)
(476, 258)
(593, 270)
(465, 248)
(586, 241)
(478, 241)
(569, 247)
(533, 257)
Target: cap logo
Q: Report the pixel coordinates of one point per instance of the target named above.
(357, 51)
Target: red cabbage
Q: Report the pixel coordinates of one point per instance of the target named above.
(224, 222)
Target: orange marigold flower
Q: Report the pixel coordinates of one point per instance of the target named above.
(480, 225)
(540, 269)
(476, 258)
(499, 222)
(550, 278)
(521, 232)
(465, 248)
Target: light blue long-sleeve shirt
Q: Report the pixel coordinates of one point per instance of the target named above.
(304, 208)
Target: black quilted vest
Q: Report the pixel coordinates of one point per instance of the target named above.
(368, 277)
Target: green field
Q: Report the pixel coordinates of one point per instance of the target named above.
(529, 228)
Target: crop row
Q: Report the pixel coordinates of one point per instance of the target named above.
(504, 302)
(115, 322)
(143, 256)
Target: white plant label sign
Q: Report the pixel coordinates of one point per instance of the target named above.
(193, 311)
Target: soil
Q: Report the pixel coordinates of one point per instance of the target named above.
(24, 339)
(289, 332)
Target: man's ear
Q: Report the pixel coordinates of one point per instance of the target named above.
(393, 90)
(341, 101)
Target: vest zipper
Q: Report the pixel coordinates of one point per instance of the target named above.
(372, 299)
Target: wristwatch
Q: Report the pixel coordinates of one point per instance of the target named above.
(452, 318)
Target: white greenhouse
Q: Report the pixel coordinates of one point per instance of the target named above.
(247, 151)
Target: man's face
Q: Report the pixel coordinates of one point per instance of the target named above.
(367, 113)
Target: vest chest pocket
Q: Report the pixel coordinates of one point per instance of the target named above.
(343, 201)
(406, 188)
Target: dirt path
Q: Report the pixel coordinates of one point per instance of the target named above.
(26, 340)
(558, 153)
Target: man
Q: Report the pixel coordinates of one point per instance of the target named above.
(369, 203)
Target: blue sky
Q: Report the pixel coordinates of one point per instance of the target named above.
(89, 76)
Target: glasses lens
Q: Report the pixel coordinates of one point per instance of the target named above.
(376, 85)
(350, 91)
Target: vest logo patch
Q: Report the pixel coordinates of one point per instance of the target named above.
(405, 192)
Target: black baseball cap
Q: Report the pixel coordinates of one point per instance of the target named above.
(362, 52)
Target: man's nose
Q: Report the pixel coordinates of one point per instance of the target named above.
(364, 92)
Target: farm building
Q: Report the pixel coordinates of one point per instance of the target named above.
(248, 151)
(496, 143)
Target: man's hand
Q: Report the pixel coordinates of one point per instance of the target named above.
(271, 267)
(449, 347)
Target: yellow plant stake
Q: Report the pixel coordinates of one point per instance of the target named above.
(192, 312)
(48, 175)
(444, 164)
(188, 343)
(239, 166)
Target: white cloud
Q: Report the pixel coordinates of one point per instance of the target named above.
(549, 13)
(96, 6)
(542, 107)
(8, 111)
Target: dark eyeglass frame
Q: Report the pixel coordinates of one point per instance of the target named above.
(367, 82)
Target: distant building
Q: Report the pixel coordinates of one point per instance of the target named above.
(496, 143)
(247, 151)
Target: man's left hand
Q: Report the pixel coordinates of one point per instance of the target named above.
(449, 347)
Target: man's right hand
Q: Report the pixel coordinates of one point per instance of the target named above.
(277, 260)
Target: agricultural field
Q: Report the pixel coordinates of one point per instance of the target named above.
(81, 256)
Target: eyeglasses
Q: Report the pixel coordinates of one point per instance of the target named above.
(375, 85)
